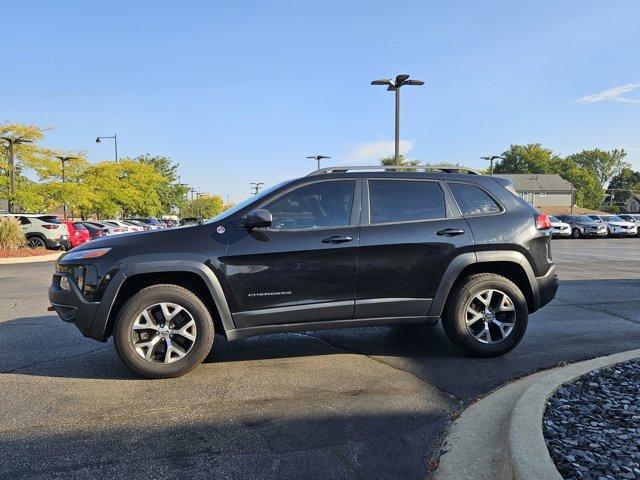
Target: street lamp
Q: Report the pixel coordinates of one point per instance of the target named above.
(318, 158)
(491, 158)
(64, 159)
(394, 86)
(11, 141)
(256, 187)
(115, 143)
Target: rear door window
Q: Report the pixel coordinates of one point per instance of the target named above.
(472, 200)
(405, 201)
(79, 226)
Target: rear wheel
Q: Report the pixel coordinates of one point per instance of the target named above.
(486, 315)
(163, 331)
(36, 242)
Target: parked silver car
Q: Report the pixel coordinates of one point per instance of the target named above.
(559, 228)
(584, 226)
(633, 218)
(616, 226)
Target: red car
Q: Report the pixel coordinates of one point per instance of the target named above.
(78, 233)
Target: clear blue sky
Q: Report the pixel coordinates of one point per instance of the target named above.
(244, 91)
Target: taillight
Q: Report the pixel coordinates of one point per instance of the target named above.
(50, 226)
(543, 222)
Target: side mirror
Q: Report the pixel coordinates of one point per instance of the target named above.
(259, 218)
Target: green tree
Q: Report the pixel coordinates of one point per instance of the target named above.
(623, 185)
(170, 192)
(390, 161)
(603, 164)
(531, 158)
(206, 206)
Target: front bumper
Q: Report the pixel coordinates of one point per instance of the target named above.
(72, 307)
(561, 233)
(624, 232)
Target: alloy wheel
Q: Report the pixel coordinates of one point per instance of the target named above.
(164, 333)
(490, 316)
(36, 242)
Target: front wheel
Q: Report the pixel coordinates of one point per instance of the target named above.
(163, 331)
(486, 315)
(576, 233)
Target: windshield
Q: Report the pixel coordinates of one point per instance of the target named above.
(554, 219)
(613, 218)
(584, 219)
(246, 202)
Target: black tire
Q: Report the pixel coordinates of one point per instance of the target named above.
(36, 242)
(455, 314)
(147, 297)
(576, 233)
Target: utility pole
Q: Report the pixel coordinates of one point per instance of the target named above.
(256, 187)
(394, 86)
(318, 158)
(115, 143)
(11, 141)
(491, 158)
(64, 159)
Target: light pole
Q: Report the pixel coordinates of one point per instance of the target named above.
(64, 159)
(491, 158)
(256, 187)
(394, 86)
(11, 141)
(115, 143)
(318, 158)
(198, 196)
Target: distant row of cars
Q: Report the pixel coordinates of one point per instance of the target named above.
(48, 231)
(591, 225)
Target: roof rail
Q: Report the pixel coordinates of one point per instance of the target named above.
(412, 168)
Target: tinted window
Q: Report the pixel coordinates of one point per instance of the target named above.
(24, 221)
(473, 200)
(49, 219)
(319, 205)
(79, 226)
(405, 201)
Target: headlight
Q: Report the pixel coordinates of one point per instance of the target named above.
(86, 254)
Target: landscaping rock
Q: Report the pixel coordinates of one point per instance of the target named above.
(592, 425)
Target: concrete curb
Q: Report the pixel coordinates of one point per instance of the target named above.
(36, 259)
(500, 437)
(526, 451)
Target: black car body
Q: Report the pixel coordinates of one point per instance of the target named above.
(338, 248)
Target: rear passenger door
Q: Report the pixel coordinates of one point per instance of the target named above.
(408, 236)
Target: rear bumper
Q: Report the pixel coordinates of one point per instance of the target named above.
(55, 243)
(547, 287)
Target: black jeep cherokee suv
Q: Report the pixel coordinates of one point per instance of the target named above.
(342, 247)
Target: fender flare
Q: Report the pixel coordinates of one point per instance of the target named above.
(459, 263)
(164, 266)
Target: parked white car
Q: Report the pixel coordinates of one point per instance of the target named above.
(559, 228)
(42, 230)
(119, 223)
(633, 218)
(616, 226)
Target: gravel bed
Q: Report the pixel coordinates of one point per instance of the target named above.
(592, 425)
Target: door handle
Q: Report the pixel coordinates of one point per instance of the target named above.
(450, 232)
(337, 239)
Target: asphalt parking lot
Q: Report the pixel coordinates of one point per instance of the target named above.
(367, 403)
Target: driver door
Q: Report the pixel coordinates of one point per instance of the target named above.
(303, 267)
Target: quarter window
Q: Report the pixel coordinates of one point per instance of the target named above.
(473, 200)
(318, 205)
(405, 201)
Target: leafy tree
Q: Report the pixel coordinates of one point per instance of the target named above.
(603, 164)
(170, 192)
(531, 158)
(587, 193)
(623, 185)
(206, 206)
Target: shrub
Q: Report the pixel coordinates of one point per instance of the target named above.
(11, 236)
